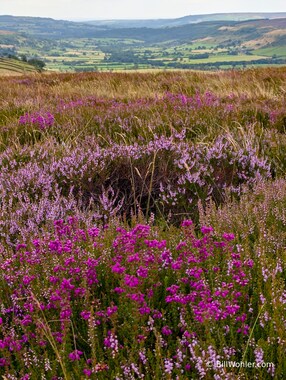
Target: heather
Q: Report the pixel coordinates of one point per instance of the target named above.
(142, 225)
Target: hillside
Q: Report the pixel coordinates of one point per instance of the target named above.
(13, 67)
(192, 19)
(40, 28)
(218, 31)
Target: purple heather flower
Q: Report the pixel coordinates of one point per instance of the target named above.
(85, 314)
(168, 366)
(117, 268)
(206, 230)
(75, 355)
(111, 310)
(118, 290)
(3, 362)
(131, 281)
(87, 372)
(188, 367)
(228, 237)
(144, 310)
(142, 272)
(186, 223)
(166, 330)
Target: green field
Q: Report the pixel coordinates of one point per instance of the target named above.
(226, 58)
(8, 66)
(279, 51)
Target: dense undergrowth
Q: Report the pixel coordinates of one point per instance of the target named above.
(103, 275)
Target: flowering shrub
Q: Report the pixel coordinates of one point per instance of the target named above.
(69, 299)
(82, 295)
(45, 188)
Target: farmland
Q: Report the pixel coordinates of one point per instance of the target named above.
(142, 225)
(215, 44)
(10, 66)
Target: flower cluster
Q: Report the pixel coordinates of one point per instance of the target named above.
(41, 120)
(73, 281)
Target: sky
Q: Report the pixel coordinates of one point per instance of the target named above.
(133, 9)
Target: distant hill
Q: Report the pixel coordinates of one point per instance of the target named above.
(40, 27)
(35, 29)
(260, 32)
(192, 19)
(10, 66)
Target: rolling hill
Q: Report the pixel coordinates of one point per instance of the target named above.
(191, 19)
(13, 67)
(219, 30)
(206, 40)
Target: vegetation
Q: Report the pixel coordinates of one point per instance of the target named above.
(12, 66)
(211, 43)
(143, 225)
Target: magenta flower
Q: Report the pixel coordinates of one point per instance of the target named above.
(111, 310)
(41, 120)
(131, 281)
(228, 237)
(118, 290)
(117, 268)
(66, 314)
(87, 372)
(206, 230)
(66, 284)
(75, 355)
(85, 314)
(166, 330)
(186, 223)
(142, 272)
(188, 367)
(144, 310)
(3, 362)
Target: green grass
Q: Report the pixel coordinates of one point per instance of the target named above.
(279, 51)
(226, 58)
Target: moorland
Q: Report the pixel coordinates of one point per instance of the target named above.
(143, 225)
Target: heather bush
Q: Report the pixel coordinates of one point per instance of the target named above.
(125, 303)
